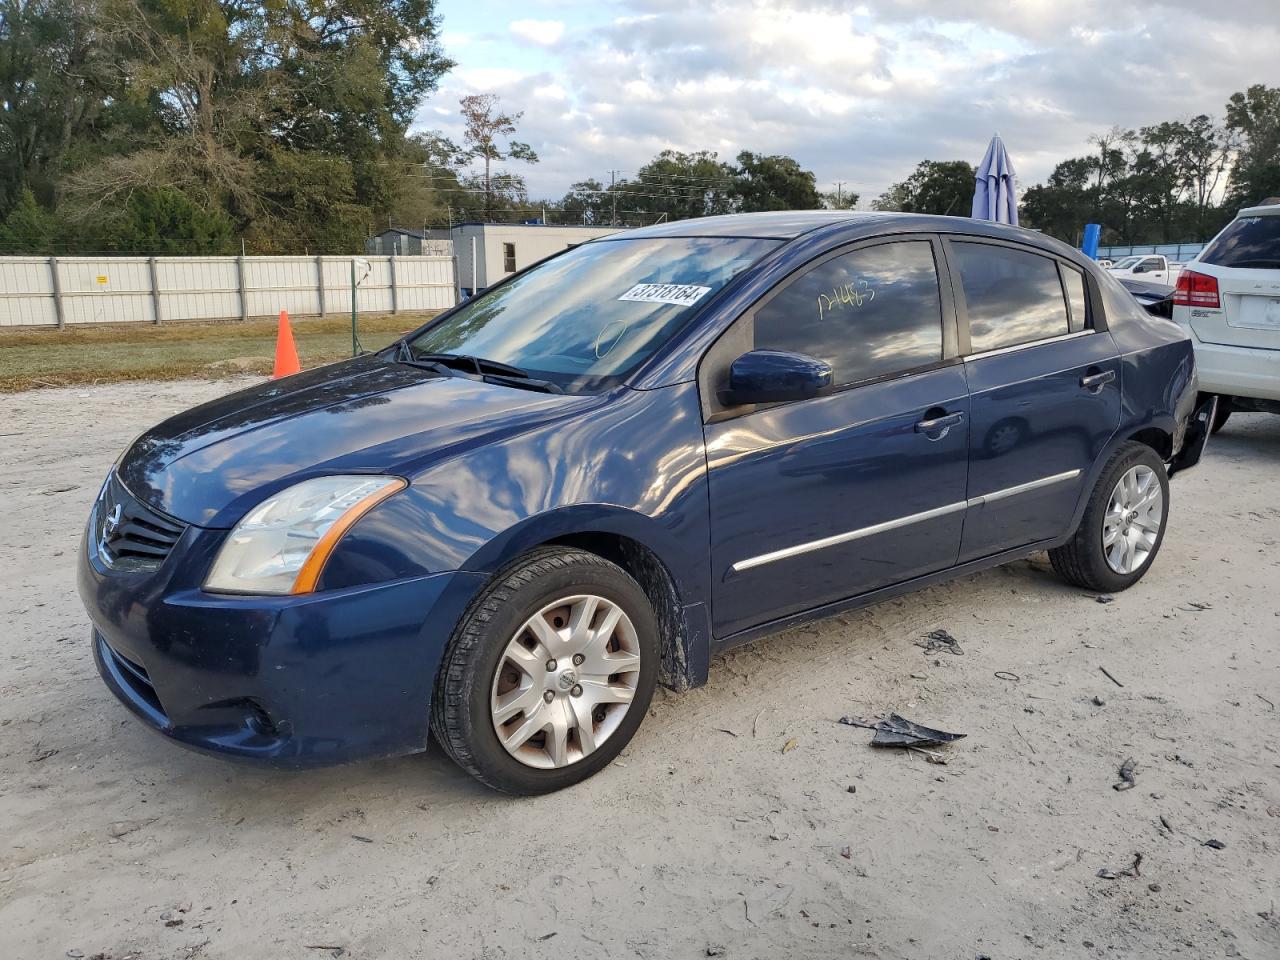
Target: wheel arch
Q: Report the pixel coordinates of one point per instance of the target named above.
(1156, 433)
(1156, 437)
(648, 554)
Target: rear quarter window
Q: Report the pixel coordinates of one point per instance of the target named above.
(1250, 242)
(1074, 281)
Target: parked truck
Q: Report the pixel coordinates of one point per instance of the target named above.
(1149, 267)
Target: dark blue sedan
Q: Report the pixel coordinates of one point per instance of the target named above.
(508, 527)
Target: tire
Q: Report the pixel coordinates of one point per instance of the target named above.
(483, 672)
(1220, 415)
(1083, 560)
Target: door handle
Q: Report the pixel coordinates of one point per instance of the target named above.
(1095, 381)
(936, 427)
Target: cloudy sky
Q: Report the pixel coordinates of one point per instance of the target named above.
(855, 92)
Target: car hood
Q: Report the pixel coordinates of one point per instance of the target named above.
(210, 464)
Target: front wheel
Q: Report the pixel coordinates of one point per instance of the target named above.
(1123, 523)
(548, 674)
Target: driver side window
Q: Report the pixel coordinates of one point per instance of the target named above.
(870, 313)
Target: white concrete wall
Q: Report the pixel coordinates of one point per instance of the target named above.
(120, 289)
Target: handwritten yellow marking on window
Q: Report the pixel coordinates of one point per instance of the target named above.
(846, 295)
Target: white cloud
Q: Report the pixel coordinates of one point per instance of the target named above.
(485, 79)
(863, 95)
(545, 33)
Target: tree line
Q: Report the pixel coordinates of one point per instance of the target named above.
(211, 126)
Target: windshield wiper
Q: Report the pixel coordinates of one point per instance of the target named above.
(404, 354)
(476, 365)
(490, 371)
(523, 381)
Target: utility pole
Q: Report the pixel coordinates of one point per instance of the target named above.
(613, 216)
(839, 194)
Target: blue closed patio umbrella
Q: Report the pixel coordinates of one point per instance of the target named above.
(994, 197)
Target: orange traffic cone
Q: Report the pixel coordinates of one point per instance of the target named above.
(286, 352)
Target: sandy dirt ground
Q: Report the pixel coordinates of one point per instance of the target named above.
(707, 837)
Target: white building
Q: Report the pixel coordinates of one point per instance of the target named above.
(487, 252)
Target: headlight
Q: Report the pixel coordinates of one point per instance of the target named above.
(281, 545)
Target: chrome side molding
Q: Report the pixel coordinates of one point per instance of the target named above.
(846, 537)
(834, 540)
(1024, 487)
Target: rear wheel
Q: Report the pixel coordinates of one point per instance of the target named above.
(548, 674)
(1123, 524)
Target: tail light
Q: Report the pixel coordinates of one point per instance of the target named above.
(1196, 290)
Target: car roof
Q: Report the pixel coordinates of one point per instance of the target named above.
(1262, 210)
(775, 224)
(790, 224)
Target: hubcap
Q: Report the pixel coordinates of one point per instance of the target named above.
(565, 681)
(1132, 521)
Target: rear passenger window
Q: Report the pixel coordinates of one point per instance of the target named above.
(1011, 296)
(869, 313)
(1074, 280)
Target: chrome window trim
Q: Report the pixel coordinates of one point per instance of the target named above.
(999, 351)
(851, 535)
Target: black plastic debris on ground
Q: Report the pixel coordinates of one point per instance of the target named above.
(936, 640)
(894, 731)
(1133, 870)
(1127, 779)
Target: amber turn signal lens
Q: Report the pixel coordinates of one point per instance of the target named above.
(309, 575)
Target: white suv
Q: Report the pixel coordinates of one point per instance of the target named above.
(1228, 298)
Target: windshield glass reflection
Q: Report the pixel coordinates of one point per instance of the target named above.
(587, 318)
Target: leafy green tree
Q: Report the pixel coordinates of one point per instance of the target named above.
(165, 220)
(936, 186)
(236, 105)
(680, 185)
(839, 200)
(314, 192)
(29, 226)
(586, 202)
(1254, 116)
(58, 75)
(1201, 152)
(486, 127)
(773, 183)
(1061, 206)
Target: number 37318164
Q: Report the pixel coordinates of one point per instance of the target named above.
(855, 294)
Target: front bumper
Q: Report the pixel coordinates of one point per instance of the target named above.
(300, 681)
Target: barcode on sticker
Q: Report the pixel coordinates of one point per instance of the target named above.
(681, 294)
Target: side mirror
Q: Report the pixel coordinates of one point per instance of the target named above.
(1140, 268)
(775, 376)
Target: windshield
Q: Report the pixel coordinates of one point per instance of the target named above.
(1249, 242)
(590, 316)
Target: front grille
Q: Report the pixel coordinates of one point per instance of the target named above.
(134, 675)
(129, 533)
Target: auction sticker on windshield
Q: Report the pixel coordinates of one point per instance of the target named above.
(681, 294)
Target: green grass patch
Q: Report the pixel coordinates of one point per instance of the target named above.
(31, 359)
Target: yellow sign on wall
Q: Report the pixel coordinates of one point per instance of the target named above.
(102, 279)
